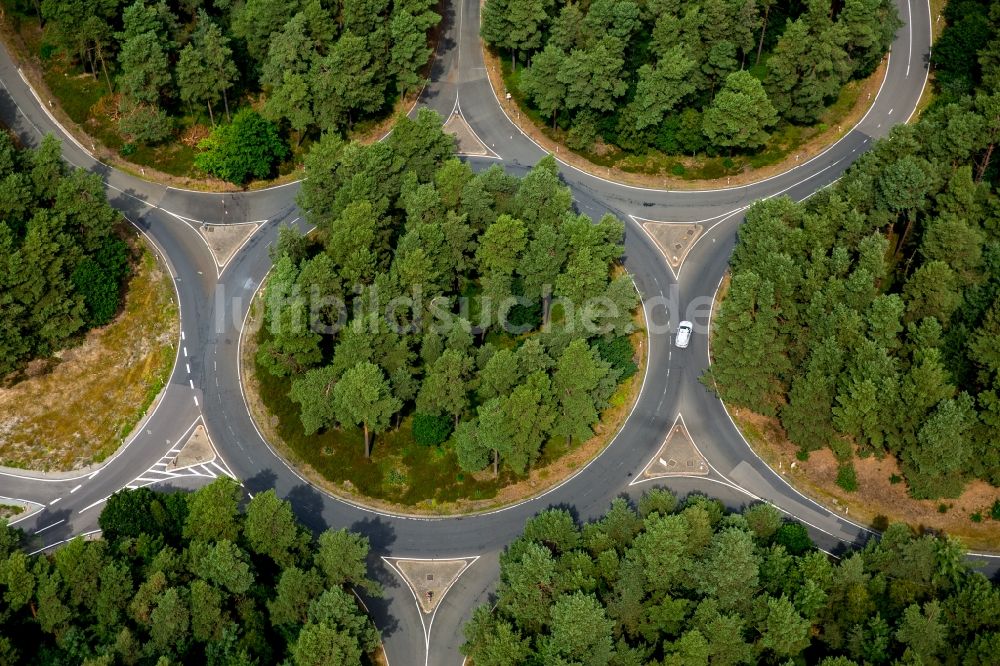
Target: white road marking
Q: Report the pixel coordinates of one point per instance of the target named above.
(890, 111)
(191, 382)
(182, 336)
(52, 525)
(76, 489)
(55, 500)
(185, 350)
(909, 26)
(91, 506)
(195, 401)
(188, 367)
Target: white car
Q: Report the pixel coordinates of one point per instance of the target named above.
(683, 335)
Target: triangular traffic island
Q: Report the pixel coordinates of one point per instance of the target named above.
(467, 141)
(225, 239)
(674, 239)
(197, 450)
(429, 580)
(678, 456)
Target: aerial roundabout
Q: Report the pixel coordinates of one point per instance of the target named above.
(677, 246)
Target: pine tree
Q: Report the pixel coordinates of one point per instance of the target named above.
(363, 397)
(445, 388)
(740, 114)
(807, 416)
(749, 362)
(576, 382)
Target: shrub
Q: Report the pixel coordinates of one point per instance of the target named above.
(847, 477)
(794, 537)
(430, 429)
(995, 510)
(583, 133)
(977, 517)
(528, 317)
(131, 513)
(248, 147)
(619, 353)
(99, 290)
(145, 124)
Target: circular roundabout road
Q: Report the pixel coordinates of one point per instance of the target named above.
(214, 294)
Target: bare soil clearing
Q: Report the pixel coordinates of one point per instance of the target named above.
(877, 500)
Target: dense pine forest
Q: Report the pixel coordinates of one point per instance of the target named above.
(686, 77)
(318, 64)
(188, 579)
(688, 585)
(493, 345)
(63, 262)
(867, 318)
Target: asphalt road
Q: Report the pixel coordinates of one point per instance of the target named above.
(213, 303)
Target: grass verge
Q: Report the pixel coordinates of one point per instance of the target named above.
(881, 495)
(77, 408)
(937, 26)
(8, 511)
(402, 476)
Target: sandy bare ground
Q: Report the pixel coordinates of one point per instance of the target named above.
(876, 499)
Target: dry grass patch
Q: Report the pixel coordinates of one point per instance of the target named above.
(81, 405)
(8, 511)
(937, 26)
(877, 499)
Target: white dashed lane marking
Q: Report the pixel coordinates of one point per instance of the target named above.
(52, 525)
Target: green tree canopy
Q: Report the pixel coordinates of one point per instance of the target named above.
(248, 147)
(689, 584)
(229, 587)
